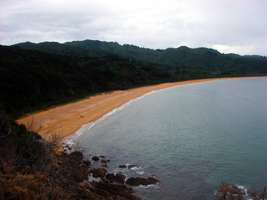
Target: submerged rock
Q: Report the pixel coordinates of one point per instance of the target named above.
(122, 166)
(116, 178)
(137, 181)
(95, 158)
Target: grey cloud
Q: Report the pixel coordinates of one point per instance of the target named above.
(230, 26)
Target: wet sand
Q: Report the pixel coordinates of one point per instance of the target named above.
(65, 120)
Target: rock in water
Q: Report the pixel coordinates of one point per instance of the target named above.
(137, 181)
(95, 158)
(122, 166)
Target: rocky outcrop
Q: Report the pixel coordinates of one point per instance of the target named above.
(235, 192)
(138, 181)
(116, 178)
(31, 169)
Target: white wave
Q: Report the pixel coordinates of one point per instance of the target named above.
(136, 169)
(243, 188)
(140, 172)
(70, 141)
(154, 186)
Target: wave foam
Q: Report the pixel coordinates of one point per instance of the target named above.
(70, 141)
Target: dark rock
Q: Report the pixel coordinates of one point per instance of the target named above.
(85, 185)
(99, 172)
(87, 163)
(137, 181)
(76, 155)
(116, 178)
(122, 166)
(118, 191)
(95, 158)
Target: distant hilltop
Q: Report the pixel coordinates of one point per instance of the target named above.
(181, 56)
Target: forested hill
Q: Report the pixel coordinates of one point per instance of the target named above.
(34, 76)
(183, 57)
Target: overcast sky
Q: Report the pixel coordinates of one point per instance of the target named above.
(238, 26)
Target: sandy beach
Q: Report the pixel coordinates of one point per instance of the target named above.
(65, 120)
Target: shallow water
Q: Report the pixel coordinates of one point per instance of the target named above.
(192, 137)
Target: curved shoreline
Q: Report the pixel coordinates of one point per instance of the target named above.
(66, 120)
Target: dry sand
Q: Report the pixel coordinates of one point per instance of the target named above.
(65, 120)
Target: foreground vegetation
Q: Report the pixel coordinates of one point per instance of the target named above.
(30, 168)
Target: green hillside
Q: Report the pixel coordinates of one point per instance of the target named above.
(34, 76)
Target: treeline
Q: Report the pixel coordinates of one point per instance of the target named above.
(198, 60)
(31, 80)
(34, 76)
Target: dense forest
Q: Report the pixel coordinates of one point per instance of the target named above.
(34, 76)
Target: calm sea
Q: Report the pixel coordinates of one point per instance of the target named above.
(192, 137)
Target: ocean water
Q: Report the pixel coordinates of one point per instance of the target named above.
(192, 137)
